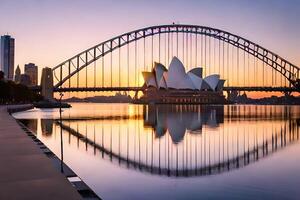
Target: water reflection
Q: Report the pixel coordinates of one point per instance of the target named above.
(150, 151)
(31, 124)
(179, 119)
(181, 141)
(47, 127)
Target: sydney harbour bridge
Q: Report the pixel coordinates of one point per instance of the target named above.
(117, 64)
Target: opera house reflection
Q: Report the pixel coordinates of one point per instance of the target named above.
(179, 140)
(177, 120)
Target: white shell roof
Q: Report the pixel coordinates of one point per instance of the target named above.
(212, 81)
(197, 71)
(159, 69)
(162, 83)
(220, 85)
(197, 81)
(149, 79)
(179, 80)
(204, 85)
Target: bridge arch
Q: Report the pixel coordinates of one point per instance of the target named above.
(78, 62)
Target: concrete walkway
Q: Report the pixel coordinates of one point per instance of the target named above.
(25, 172)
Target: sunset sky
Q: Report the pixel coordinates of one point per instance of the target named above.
(48, 32)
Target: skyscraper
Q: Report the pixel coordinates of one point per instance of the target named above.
(17, 74)
(32, 71)
(7, 56)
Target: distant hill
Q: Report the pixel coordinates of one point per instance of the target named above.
(118, 98)
(273, 100)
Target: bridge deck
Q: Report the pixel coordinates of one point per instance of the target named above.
(25, 172)
(231, 88)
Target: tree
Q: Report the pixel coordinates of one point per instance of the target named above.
(10, 92)
(1, 75)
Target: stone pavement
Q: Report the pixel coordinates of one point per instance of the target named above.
(25, 172)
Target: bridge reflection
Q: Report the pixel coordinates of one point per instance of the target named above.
(184, 141)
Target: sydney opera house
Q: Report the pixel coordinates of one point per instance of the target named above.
(174, 85)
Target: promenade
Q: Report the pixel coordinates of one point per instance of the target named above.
(25, 172)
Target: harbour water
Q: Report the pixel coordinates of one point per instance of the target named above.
(125, 151)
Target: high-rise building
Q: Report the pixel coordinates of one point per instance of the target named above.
(18, 75)
(32, 71)
(7, 56)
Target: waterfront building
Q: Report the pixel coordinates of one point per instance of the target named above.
(32, 71)
(7, 56)
(176, 86)
(18, 75)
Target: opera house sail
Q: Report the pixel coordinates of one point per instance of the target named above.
(175, 85)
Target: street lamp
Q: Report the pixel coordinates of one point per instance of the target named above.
(61, 136)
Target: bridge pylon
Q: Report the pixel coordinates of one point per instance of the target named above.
(47, 84)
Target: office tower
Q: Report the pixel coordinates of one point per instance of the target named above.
(7, 56)
(32, 71)
(18, 75)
